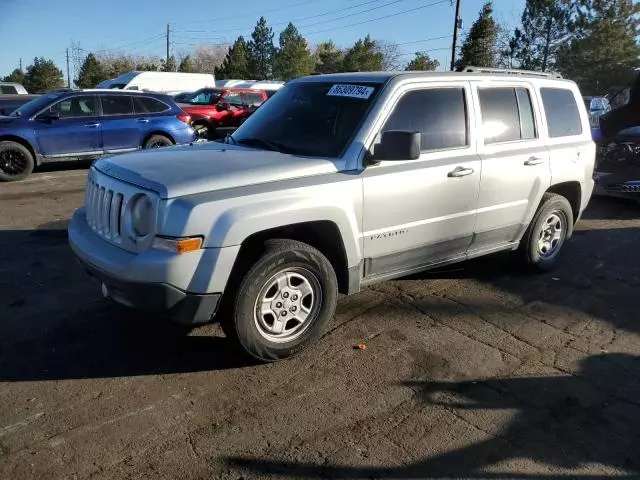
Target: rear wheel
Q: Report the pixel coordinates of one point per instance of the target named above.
(202, 131)
(284, 302)
(16, 161)
(548, 231)
(157, 141)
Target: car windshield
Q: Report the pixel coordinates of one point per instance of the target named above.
(34, 106)
(204, 97)
(311, 119)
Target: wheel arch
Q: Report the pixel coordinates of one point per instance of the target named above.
(572, 191)
(157, 132)
(25, 143)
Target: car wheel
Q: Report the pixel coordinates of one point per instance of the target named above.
(202, 131)
(284, 302)
(157, 141)
(548, 231)
(16, 161)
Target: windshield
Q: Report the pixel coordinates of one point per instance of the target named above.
(313, 119)
(34, 106)
(203, 97)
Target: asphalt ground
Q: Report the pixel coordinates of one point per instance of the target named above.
(476, 371)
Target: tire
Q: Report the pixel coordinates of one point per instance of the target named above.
(550, 228)
(282, 276)
(202, 131)
(157, 141)
(16, 161)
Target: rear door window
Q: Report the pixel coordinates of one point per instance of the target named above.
(507, 114)
(117, 105)
(252, 99)
(146, 105)
(439, 114)
(561, 111)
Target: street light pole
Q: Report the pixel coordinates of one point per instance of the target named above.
(456, 22)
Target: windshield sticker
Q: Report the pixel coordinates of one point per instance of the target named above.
(352, 91)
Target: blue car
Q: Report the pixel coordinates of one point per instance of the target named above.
(86, 124)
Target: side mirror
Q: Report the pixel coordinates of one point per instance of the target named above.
(222, 107)
(397, 145)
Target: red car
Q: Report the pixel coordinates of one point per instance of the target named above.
(214, 108)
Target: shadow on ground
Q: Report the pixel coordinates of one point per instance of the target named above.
(565, 422)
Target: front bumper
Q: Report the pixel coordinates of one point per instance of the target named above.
(177, 285)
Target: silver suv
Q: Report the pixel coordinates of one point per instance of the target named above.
(337, 182)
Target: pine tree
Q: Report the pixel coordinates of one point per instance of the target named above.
(479, 48)
(43, 76)
(236, 64)
(293, 58)
(91, 73)
(545, 26)
(17, 76)
(364, 56)
(604, 51)
(169, 65)
(423, 62)
(261, 51)
(328, 58)
(186, 65)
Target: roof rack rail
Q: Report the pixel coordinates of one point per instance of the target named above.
(508, 71)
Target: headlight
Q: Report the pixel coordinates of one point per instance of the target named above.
(141, 216)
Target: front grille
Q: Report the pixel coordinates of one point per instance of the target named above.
(104, 208)
(629, 187)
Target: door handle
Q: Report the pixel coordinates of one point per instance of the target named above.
(142, 120)
(534, 161)
(92, 125)
(460, 172)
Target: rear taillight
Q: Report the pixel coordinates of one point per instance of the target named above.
(184, 118)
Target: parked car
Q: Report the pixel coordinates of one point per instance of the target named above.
(87, 124)
(337, 182)
(161, 82)
(215, 108)
(596, 106)
(8, 103)
(12, 88)
(181, 97)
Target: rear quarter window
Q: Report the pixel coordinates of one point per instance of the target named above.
(561, 111)
(149, 105)
(8, 89)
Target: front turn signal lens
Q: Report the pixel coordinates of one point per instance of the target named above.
(177, 245)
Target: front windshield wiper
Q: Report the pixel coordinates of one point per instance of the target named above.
(261, 143)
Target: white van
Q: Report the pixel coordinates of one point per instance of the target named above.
(162, 82)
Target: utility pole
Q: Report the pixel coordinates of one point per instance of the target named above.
(168, 32)
(68, 75)
(21, 63)
(456, 26)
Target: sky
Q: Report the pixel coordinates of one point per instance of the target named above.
(30, 28)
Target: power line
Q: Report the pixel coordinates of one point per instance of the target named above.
(379, 18)
(262, 12)
(330, 12)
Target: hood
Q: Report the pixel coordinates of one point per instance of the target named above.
(191, 169)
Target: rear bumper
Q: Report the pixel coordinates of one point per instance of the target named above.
(182, 307)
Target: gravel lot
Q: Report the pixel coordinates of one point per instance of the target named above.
(478, 371)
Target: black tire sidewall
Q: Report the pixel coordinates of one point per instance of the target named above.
(553, 204)
(244, 328)
(6, 145)
(154, 139)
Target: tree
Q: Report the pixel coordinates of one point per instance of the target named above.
(328, 58)
(186, 65)
(293, 58)
(91, 73)
(236, 64)
(43, 76)
(479, 47)
(545, 27)
(206, 58)
(116, 64)
(169, 65)
(423, 62)
(391, 54)
(16, 76)
(364, 56)
(604, 50)
(261, 51)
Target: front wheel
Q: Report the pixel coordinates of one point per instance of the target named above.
(284, 302)
(548, 231)
(16, 161)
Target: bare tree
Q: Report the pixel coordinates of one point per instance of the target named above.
(391, 54)
(205, 58)
(506, 46)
